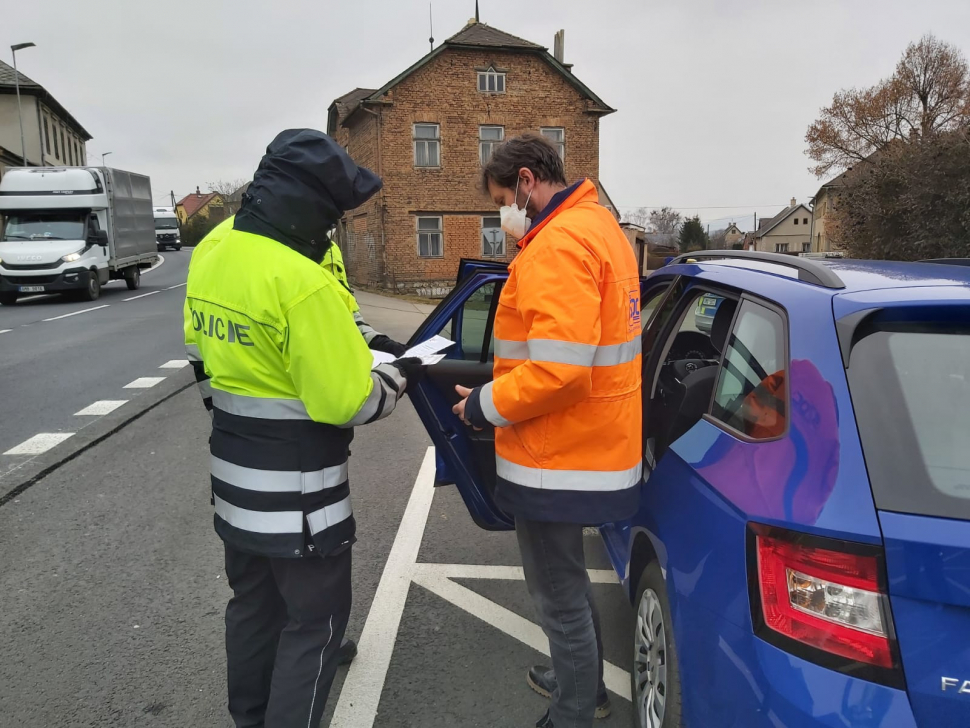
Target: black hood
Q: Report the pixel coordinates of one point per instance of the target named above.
(303, 186)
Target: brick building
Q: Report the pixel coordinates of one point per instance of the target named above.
(426, 133)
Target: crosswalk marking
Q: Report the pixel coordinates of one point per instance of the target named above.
(39, 443)
(175, 364)
(144, 382)
(101, 407)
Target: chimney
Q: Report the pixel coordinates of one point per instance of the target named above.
(793, 202)
(558, 46)
(198, 191)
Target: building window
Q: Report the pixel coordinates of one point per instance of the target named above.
(806, 247)
(47, 137)
(430, 238)
(796, 220)
(556, 135)
(781, 247)
(804, 221)
(493, 238)
(427, 145)
(70, 153)
(63, 144)
(57, 149)
(491, 81)
(489, 137)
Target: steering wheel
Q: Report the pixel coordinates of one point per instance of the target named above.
(682, 368)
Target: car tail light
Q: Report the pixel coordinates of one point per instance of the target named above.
(826, 595)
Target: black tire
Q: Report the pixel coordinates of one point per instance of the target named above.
(663, 652)
(93, 290)
(8, 299)
(178, 247)
(133, 278)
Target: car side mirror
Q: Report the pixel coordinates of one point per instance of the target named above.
(101, 238)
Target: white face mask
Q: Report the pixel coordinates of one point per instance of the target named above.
(514, 221)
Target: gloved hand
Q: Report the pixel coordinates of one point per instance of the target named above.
(387, 345)
(412, 369)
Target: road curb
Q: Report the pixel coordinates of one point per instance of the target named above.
(35, 470)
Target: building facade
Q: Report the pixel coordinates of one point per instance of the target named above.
(790, 231)
(52, 137)
(209, 205)
(427, 133)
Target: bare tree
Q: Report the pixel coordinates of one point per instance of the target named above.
(227, 190)
(665, 220)
(637, 216)
(719, 239)
(929, 92)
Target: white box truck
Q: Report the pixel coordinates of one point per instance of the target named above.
(72, 229)
(167, 233)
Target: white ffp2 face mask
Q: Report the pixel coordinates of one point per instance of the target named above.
(514, 220)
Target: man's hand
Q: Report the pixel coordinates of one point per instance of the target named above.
(459, 409)
(413, 370)
(385, 343)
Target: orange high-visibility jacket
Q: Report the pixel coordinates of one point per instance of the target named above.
(565, 397)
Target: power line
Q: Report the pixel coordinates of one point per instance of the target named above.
(700, 207)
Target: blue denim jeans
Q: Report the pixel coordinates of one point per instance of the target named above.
(555, 573)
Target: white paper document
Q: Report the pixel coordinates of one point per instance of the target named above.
(426, 351)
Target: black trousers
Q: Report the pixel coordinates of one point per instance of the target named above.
(284, 626)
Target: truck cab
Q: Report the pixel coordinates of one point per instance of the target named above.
(72, 229)
(167, 233)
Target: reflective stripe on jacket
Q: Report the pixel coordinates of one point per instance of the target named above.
(289, 376)
(565, 397)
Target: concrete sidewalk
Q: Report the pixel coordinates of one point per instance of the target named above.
(392, 316)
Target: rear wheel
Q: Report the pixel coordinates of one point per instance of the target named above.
(93, 290)
(8, 299)
(655, 679)
(133, 278)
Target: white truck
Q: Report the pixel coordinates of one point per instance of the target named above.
(72, 229)
(167, 233)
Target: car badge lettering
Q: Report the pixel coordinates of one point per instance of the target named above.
(952, 684)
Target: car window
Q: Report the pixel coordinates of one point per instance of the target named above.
(751, 393)
(475, 326)
(911, 393)
(649, 306)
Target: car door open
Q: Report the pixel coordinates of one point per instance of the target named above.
(464, 457)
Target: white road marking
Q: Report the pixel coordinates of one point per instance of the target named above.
(76, 313)
(39, 444)
(617, 679)
(361, 693)
(175, 364)
(507, 573)
(101, 407)
(37, 297)
(180, 285)
(158, 264)
(144, 383)
(6, 331)
(135, 298)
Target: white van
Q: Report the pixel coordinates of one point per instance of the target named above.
(167, 233)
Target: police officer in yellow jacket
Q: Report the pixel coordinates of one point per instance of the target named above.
(290, 376)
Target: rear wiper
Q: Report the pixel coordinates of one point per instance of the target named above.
(15, 237)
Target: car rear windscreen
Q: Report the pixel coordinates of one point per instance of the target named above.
(911, 393)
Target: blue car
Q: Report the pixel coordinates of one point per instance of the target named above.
(801, 555)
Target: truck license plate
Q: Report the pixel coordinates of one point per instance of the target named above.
(31, 289)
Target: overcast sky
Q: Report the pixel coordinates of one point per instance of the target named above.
(713, 96)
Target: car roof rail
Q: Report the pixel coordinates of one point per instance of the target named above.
(948, 261)
(809, 271)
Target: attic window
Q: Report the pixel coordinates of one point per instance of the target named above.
(491, 81)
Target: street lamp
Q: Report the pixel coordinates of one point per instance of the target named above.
(103, 156)
(16, 75)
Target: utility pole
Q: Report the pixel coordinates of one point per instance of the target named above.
(20, 114)
(172, 193)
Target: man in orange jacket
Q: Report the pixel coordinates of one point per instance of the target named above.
(565, 402)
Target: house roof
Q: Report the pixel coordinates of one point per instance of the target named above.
(195, 202)
(8, 84)
(474, 35)
(237, 195)
(482, 35)
(765, 228)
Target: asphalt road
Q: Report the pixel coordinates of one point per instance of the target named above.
(59, 356)
(112, 588)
